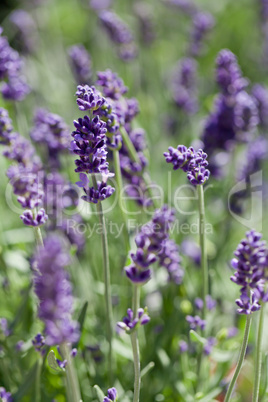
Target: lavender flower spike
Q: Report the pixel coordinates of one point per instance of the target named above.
(80, 62)
(111, 395)
(54, 291)
(250, 262)
(129, 323)
(5, 396)
(192, 162)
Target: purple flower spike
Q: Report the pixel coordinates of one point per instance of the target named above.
(228, 74)
(29, 220)
(53, 288)
(202, 24)
(5, 396)
(111, 395)
(6, 127)
(260, 94)
(250, 264)
(184, 86)
(183, 346)
(39, 343)
(196, 322)
(131, 323)
(80, 63)
(192, 162)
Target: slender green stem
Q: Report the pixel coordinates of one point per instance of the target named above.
(135, 347)
(72, 381)
(107, 283)
(257, 380)
(129, 145)
(119, 181)
(37, 380)
(202, 237)
(240, 360)
(38, 233)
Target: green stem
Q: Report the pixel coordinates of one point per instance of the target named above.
(38, 236)
(37, 380)
(119, 181)
(240, 360)
(202, 237)
(135, 347)
(107, 282)
(258, 358)
(72, 381)
(129, 145)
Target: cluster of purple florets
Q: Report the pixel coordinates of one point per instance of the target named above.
(184, 85)
(26, 176)
(53, 288)
(236, 113)
(251, 264)
(80, 62)
(5, 396)
(192, 162)
(52, 131)
(153, 244)
(13, 85)
(119, 33)
(111, 395)
(131, 323)
(202, 25)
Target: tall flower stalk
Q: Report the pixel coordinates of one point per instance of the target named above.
(90, 144)
(250, 263)
(202, 237)
(258, 360)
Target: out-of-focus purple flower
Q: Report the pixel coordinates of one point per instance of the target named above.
(20, 150)
(111, 395)
(186, 6)
(62, 363)
(119, 33)
(231, 332)
(184, 86)
(211, 341)
(211, 303)
(260, 94)
(196, 322)
(257, 151)
(29, 219)
(131, 323)
(4, 327)
(153, 244)
(95, 352)
(50, 129)
(146, 22)
(192, 162)
(249, 263)
(202, 24)
(73, 352)
(80, 62)
(100, 4)
(198, 303)
(5, 396)
(53, 288)
(6, 128)
(19, 346)
(112, 85)
(183, 346)
(246, 115)
(191, 250)
(228, 73)
(39, 343)
(170, 259)
(25, 30)
(13, 85)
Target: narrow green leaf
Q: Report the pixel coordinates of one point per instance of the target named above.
(195, 337)
(52, 362)
(147, 368)
(209, 397)
(100, 395)
(81, 320)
